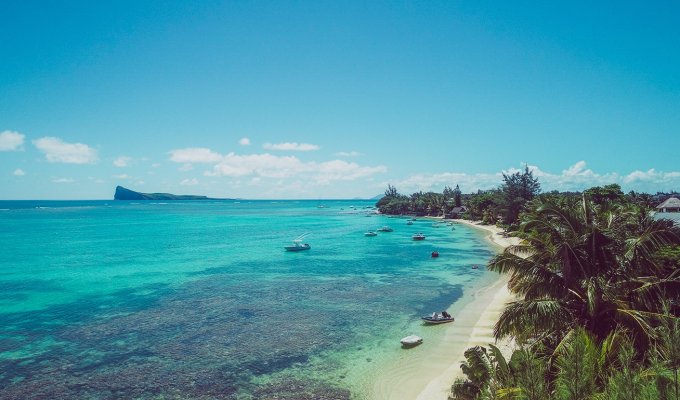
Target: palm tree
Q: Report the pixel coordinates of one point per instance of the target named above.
(487, 371)
(583, 369)
(583, 264)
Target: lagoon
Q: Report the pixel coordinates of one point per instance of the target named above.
(186, 299)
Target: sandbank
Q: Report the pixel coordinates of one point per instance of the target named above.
(428, 375)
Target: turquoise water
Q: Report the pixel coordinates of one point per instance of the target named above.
(675, 217)
(199, 300)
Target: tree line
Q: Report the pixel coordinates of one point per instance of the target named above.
(502, 205)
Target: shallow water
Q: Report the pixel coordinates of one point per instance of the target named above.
(199, 300)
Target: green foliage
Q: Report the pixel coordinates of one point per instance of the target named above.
(518, 189)
(607, 194)
(487, 372)
(577, 364)
(457, 197)
(484, 206)
(597, 282)
(579, 368)
(529, 373)
(583, 264)
(418, 203)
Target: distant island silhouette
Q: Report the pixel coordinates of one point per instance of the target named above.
(127, 194)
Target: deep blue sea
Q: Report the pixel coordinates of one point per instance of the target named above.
(199, 300)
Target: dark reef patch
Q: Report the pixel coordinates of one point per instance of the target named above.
(210, 339)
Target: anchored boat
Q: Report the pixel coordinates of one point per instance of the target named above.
(298, 245)
(411, 341)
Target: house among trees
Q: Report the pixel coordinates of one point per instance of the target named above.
(670, 205)
(456, 212)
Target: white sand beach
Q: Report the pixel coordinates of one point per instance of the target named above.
(430, 374)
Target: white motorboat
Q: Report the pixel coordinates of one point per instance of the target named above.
(298, 245)
(411, 341)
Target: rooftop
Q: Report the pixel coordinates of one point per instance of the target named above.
(673, 202)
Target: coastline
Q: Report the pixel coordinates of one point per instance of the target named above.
(496, 298)
(473, 327)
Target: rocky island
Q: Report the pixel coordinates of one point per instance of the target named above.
(127, 194)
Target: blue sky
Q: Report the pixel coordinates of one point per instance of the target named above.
(335, 99)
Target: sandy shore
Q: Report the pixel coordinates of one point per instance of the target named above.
(438, 367)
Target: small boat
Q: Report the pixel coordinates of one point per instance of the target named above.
(370, 233)
(385, 229)
(437, 320)
(418, 236)
(435, 254)
(475, 267)
(409, 223)
(298, 245)
(411, 341)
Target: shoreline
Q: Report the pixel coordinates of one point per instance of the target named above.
(475, 319)
(482, 331)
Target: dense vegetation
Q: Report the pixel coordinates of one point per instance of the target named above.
(597, 281)
(500, 205)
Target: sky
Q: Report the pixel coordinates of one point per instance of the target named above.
(322, 99)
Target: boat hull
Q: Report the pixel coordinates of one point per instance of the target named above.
(298, 248)
(411, 341)
(430, 320)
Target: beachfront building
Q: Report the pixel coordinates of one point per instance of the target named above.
(456, 212)
(671, 205)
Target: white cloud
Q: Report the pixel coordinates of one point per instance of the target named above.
(122, 161)
(288, 146)
(278, 167)
(662, 180)
(436, 182)
(19, 172)
(269, 166)
(348, 154)
(63, 180)
(189, 182)
(265, 165)
(338, 170)
(11, 141)
(58, 151)
(155, 165)
(195, 155)
(186, 167)
(244, 141)
(123, 176)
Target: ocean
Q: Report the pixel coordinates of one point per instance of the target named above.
(198, 299)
